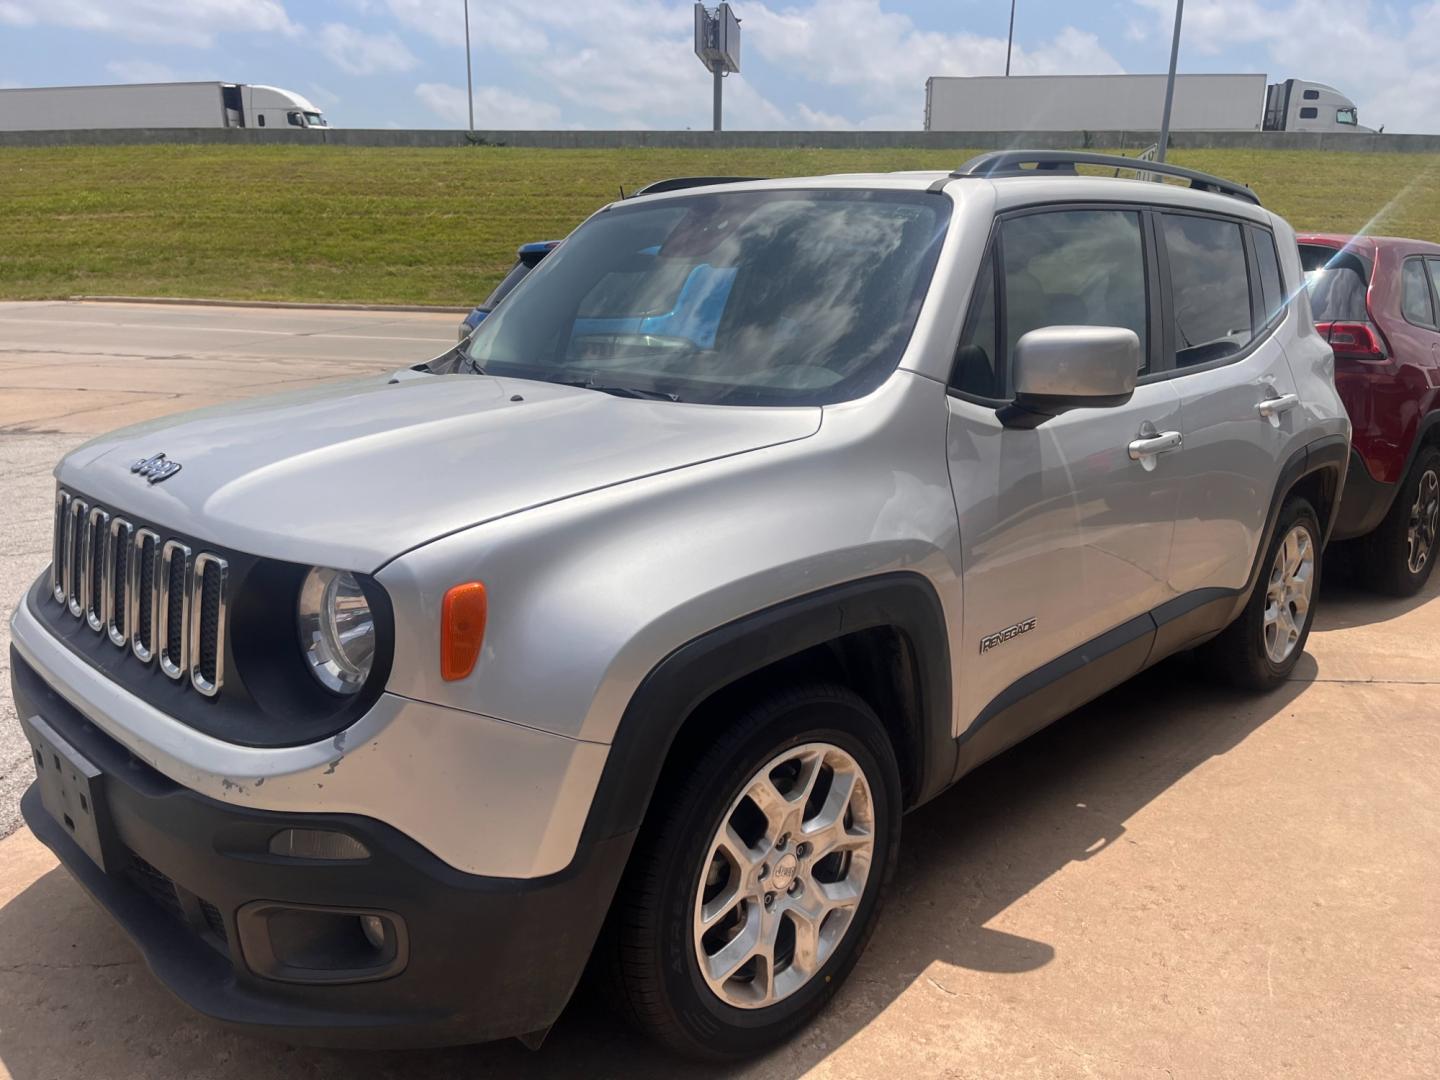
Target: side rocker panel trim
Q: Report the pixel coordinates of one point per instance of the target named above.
(697, 670)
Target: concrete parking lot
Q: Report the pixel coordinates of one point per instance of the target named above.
(1176, 881)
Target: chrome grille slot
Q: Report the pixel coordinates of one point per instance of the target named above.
(92, 600)
(117, 581)
(143, 591)
(59, 551)
(173, 610)
(75, 555)
(207, 624)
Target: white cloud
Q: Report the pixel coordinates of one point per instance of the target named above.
(168, 22)
(141, 71)
(358, 53)
(632, 61)
(1381, 55)
(495, 108)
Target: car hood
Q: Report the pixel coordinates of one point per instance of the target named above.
(352, 475)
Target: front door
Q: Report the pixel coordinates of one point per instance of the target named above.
(1065, 532)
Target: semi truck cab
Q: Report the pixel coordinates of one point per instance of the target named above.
(1297, 105)
(269, 107)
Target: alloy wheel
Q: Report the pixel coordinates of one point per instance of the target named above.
(784, 875)
(1287, 597)
(1420, 535)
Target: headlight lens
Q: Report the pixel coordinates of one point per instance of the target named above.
(337, 629)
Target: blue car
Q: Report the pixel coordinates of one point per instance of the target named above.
(527, 258)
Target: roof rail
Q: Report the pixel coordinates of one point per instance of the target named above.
(1063, 162)
(679, 183)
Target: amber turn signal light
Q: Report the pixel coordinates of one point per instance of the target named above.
(462, 629)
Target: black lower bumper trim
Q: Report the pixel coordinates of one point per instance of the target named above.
(487, 957)
(1365, 503)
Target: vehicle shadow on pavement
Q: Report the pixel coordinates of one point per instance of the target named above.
(76, 1001)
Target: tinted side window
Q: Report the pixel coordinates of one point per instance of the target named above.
(1272, 288)
(1312, 95)
(1309, 114)
(1434, 265)
(977, 360)
(1210, 286)
(1074, 268)
(1415, 294)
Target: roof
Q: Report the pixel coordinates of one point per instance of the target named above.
(1368, 243)
(1010, 191)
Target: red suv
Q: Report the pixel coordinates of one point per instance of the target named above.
(1376, 299)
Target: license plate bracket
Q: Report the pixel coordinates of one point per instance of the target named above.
(70, 788)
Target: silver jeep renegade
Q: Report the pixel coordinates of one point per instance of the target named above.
(624, 635)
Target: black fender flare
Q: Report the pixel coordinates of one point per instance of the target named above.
(1330, 453)
(678, 684)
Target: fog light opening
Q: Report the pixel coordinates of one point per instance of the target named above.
(373, 927)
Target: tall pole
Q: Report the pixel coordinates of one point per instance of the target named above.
(469, 82)
(1010, 42)
(1170, 84)
(718, 74)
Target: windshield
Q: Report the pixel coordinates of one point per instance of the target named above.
(768, 297)
(1337, 283)
(314, 119)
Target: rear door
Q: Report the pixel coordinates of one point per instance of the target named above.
(1065, 535)
(1225, 298)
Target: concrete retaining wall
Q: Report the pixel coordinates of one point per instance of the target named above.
(705, 140)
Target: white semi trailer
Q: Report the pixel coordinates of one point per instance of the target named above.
(155, 105)
(1133, 103)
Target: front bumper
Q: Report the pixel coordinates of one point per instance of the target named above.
(485, 957)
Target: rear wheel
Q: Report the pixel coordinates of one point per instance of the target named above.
(1398, 556)
(750, 899)
(1262, 646)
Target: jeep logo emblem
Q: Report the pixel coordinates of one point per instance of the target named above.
(155, 469)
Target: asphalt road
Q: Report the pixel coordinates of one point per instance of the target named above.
(71, 370)
(1176, 881)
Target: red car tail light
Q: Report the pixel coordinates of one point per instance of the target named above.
(1353, 340)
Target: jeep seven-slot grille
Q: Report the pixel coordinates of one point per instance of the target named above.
(145, 592)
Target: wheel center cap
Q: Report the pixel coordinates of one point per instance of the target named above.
(784, 872)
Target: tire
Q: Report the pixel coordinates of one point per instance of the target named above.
(656, 975)
(1249, 653)
(1396, 559)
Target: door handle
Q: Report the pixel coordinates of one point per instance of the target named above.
(1145, 449)
(1271, 408)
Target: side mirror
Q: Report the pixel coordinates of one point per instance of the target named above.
(1059, 368)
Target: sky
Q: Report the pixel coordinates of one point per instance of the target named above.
(805, 64)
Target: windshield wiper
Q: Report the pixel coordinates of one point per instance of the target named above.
(618, 390)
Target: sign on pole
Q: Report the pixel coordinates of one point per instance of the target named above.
(717, 44)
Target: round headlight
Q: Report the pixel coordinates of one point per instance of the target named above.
(337, 629)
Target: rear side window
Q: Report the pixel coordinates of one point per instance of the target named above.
(1312, 95)
(1074, 268)
(1210, 287)
(1336, 281)
(1415, 304)
(1272, 289)
(1309, 114)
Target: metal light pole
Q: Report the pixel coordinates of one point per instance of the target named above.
(469, 83)
(1170, 84)
(1010, 42)
(718, 75)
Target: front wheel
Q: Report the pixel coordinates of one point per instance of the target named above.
(1264, 643)
(749, 900)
